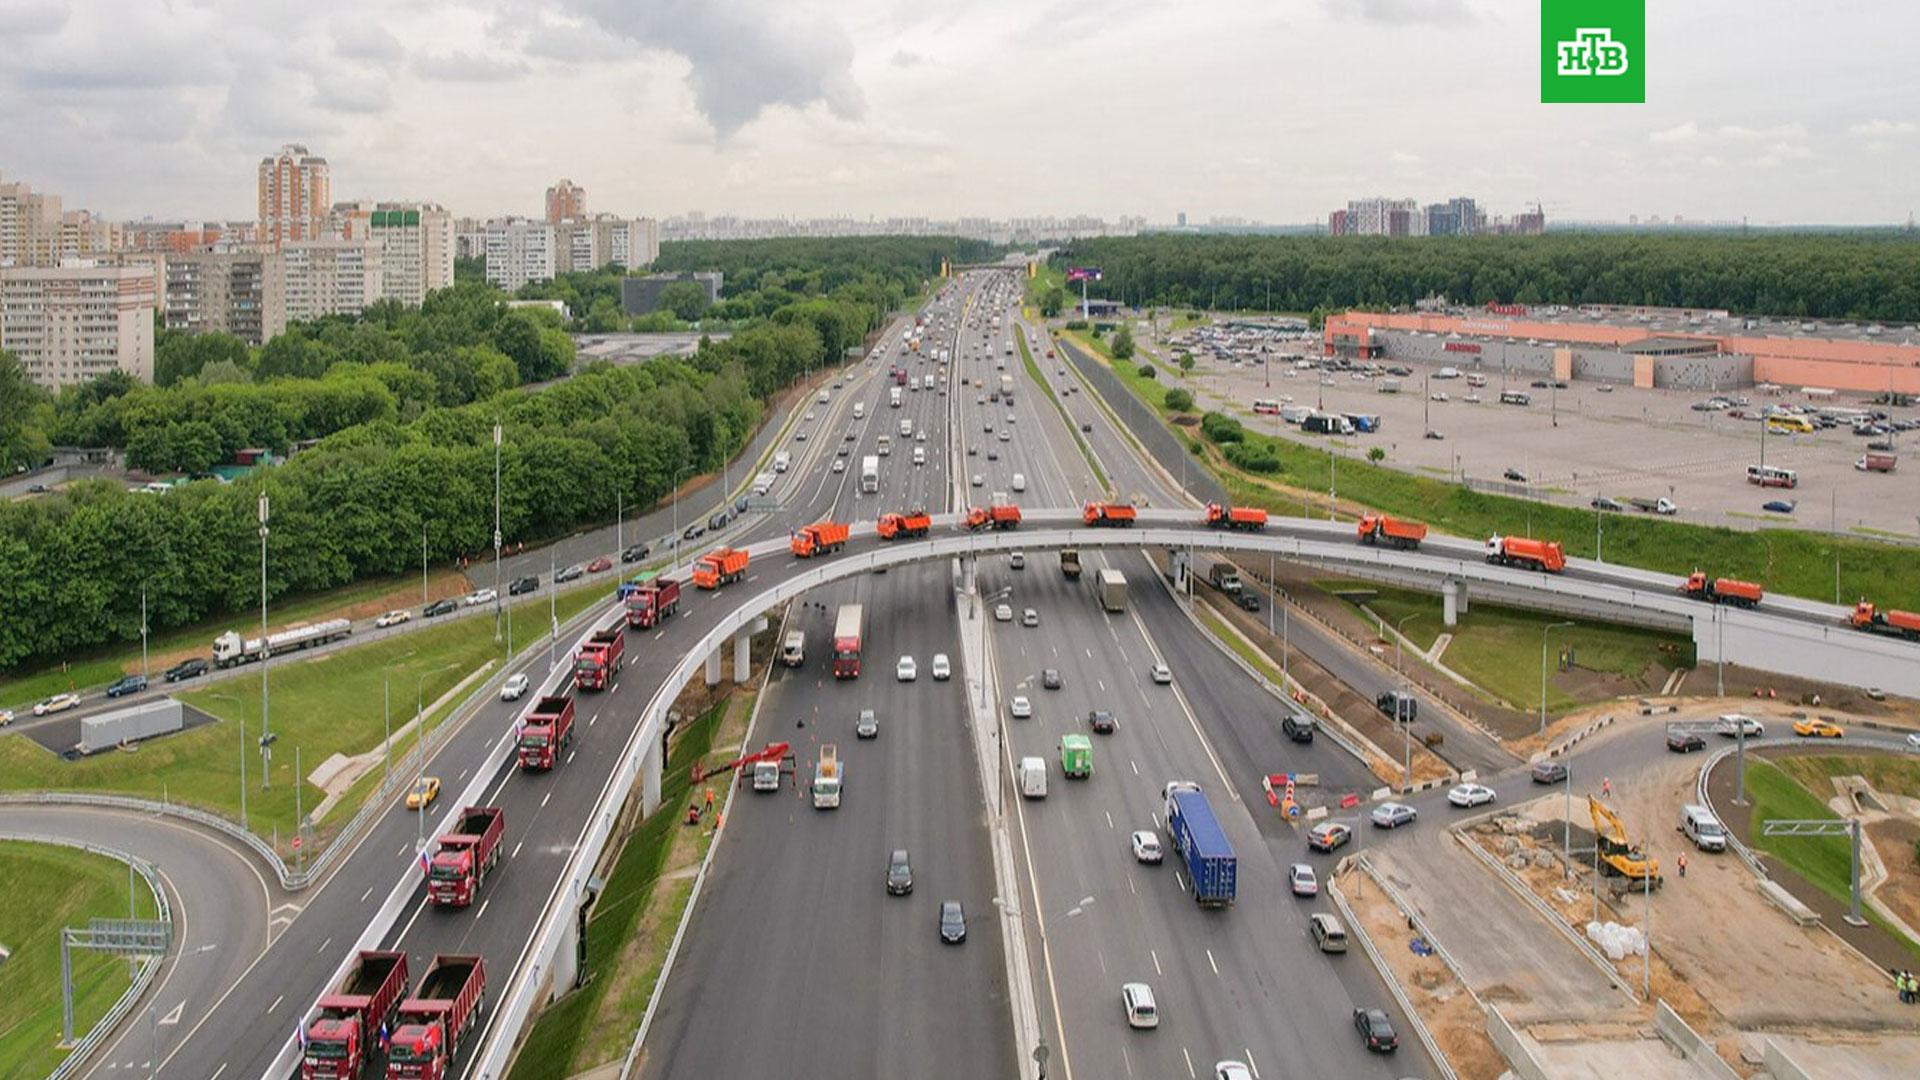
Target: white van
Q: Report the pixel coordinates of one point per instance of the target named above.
(859, 410)
(793, 652)
(906, 428)
(1701, 827)
(1137, 999)
(1033, 777)
(1019, 481)
(919, 455)
(781, 460)
(885, 445)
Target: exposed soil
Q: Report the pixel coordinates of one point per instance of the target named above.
(1785, 690)
(1894, 838)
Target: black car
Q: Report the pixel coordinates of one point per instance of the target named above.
(953, 922)
(186, 669)
(719, 519)
(1101, 721)
(1050, 678)
(1298, 727)
(523, 585)
(635, 552)
(1375, 1030)
(899, 873)
(439, 607)
(127, 684)
(1248, 600)
(1602, 502)
(1398, 704)
(694, 532)
(1541, 384)
(1515, 475)
(1685, 742)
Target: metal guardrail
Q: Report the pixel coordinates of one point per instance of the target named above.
(1386, 975)
(1700, 795)
(1529, 897)
(82, 1050)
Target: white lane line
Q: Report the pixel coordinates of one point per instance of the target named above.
(1103, 685)
(1211, 964)
(483, 909)
(1189, 1057)
(1156, 961)
(462, 776)
(1136, 766)
(1127, 1060)
(544, 798)
(364, 895)
(323, 945)
(276, 1003)
(1251, 1064)
(570, 754)
(592, 718)
(1109, 819)
(1130, 887)
(515, 853)
(659, 634)
(217, 1072)
(1181, 880)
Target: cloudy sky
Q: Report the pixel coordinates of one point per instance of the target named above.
(1275, 110)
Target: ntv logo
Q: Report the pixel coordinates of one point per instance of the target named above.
(1592, 52)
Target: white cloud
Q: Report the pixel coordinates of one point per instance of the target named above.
(1760, 134)
(363, 39)
(1404, 12)
(21, 18)
(470, 67)
(1879, 129)
(1684, 132)
(1401, 157)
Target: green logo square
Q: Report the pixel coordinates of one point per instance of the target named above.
(1593, 51)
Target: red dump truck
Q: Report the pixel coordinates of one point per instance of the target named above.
(721, 566)
(820, 538)
(1393, 531)
(1526, 553)
(1250, 518)
(1112, 515)
(649, 602)
(466, 853)
(436, 1017)
(545, 730)
(1721, 590)
(341, 1038)
(598, 658)
(913, 523)
(1904, 624)
(997, 517)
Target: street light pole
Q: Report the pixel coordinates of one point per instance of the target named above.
(266, 753)
(423, 564)
(1400, 703)
(145, 673)
(496, 533)
(1544, 631)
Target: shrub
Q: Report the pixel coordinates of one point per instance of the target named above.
(1221, 428)
(1254, 459)
(1076, 324)
(1122, 343)
(1376, 455)
(1146, 371)
(1179, 400)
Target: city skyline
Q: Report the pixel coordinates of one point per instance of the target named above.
(874, 109)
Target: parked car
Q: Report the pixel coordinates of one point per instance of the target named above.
(393, 618)
(1329, 835)
(440, 607)
(1392, 815)
(600, 565)
(524, 585)
(187, 669)
(1146, 846)
(515, 687)
(1375, 1030)
(1301, 879)
(635, 552)
(569, 573)
(1470, 795)
(127, 684)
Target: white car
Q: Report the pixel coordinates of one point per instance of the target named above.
(6, 717)
(1301, 879)
(1162, 675)
(56, 703)
(482, 596)
(1913, 741)
(1146, 846)
(393, 618)
(942, 669)
(1392, 815)
(1020, 707)
(1029, 617)
(906, 670)
(1002, 613)
(1470, 795)
(1231, 1070)
(978, 480)
(839, 465)
(514, 687)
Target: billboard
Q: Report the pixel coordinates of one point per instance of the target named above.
(1083, 273)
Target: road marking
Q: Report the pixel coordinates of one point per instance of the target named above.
(1103, 685)
(659, 634)
(1189, 1057)
(1130, 887)
(1211, 964)
(173, 1017)
(1251, 1064)
(483, 909)
(422, 906)
(462, 776)
(276, 1002)
(1127, 1060)
(364, 895)
(1180, 879)
(616, 688)
(217, 1072)
(570, 754)
(544, 798)
(323, 945)
(1156, 961)
(1109, 819)
(1136, 766)
(592, 718)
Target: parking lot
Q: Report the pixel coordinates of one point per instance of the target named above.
(1577, 443)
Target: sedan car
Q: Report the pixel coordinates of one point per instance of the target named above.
(942, 667)
(992, 454)
(424, 791)
(906, 670)
(187, 669)
(899, 873)
(478, 597)
(569, 573)
(1029, 617)
(1816, 728)
(978, 480)
(868, 726)
(1301, 879)
(1050, 678)
(1162, 674)
(1777, 506)
(393, 618)
(1470, 795)
(693, 532)
(839, 466)
(1101, 722)
(1375, 1030)
(56, 703)
(634, 553)
(1392, 815)
(127, 684)
(1005, 435)
(1329, 835)
(1681, 741)
(600, 565)
(1231, 1070)
(515, 687)
(1146, 846)
(953, 922)
(1020, 708)
(524, 585)
(1002, 613)
(1602, 502)
(1515, 475)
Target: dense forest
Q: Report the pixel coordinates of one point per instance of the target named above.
(1819, 275)
(391, 416)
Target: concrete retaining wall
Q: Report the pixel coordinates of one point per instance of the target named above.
(1517, 1049)
(1781, 1066)
(1698, 1051)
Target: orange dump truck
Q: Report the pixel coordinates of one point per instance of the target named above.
(904, 526)
(1397, 532)
(1904, 624)
(997, 517)
(1250, 518)
(1526, 553)
(1721, 590)
(1112, 515)
(820, 538)
(721, 566)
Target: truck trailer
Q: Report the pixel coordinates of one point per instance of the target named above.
(820, 538)
(229, 649)
(1248, 518)
(340, 1040)
(1112, 586)
(1070, 564)
(997, 516)
(846, 642)
(1867, 617)
(545, 730)
(441, 1011)
(650, 602)
(465, 855)
(1111, 515)
(1202, 843)
(904, 526)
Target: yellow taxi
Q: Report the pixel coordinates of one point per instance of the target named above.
(425, 790)
(1813, 728)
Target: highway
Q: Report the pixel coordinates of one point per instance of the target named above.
(797, 959)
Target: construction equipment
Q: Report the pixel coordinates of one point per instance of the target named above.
(828, 776)
(820, 538)
(999, 516)
(719, 567)
(1619, 856)
(904, 526)
(1527, 553)
(779, 754)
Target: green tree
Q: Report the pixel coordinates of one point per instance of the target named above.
(23, 404)
(1146, 371)
(686, 299)
(1376, 455)
(1179, 400)
(1052, 300)
(178, 355)
(1185, 360)
(1122, 343)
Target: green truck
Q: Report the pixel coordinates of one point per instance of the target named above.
(1076, 756)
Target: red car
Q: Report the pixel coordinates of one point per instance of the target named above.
(600, 565)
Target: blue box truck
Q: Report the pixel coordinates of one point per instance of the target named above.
(1202, 844)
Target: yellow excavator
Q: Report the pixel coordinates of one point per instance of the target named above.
(1618, 855)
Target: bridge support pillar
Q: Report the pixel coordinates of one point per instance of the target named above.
(1178, 568)
(713, 667)
(1453, 601)
(652, 767)
(742, 656)
(566, 967)
(969, 574)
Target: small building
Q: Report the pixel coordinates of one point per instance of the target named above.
(641, 295)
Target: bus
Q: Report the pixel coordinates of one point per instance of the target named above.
(1769, 476)
(1266, 407)
(1787, 423)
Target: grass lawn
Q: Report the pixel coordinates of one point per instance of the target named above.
(1499, 648)
(1886, 772)
(1826, 861)
(48, 887)
(1033, 372)
(1789, 561)
(326, 704)
(585, 1028)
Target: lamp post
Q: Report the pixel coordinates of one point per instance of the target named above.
(266, 753)
(678, 472)
(496, 533)
(1400, 703)
(1544, 631)
(145, 673)
(423, 563)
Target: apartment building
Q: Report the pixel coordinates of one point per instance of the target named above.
(72, 323)
(565, 201)
(296, 194)
(594, 242)
(416, 242)
(331, 277)
(519, 251)
(243, 293)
